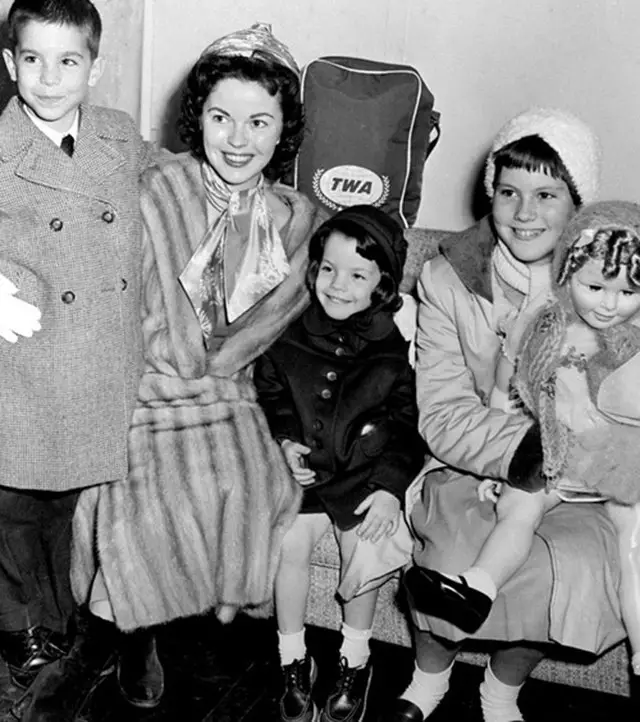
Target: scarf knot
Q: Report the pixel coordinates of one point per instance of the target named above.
(240, 259)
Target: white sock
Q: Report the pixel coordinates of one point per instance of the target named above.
(635, 663)
(355, 645)
(498, 700)
(478, 579)
(427, 689)
(291, 647)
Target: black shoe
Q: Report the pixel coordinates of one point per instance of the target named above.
(348, 700)
(139, 672)
(296, 704)
(455, 601)
(63, 687)
(28, 650)
(403, 711)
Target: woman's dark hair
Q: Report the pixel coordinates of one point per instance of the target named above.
(273, 77)
(534, 154)
(614, 247)
(386, 295)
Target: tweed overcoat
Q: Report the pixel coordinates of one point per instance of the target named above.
(567, 591)
(351, 399)
(70, 241)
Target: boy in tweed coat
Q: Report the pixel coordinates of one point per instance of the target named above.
(69, 247)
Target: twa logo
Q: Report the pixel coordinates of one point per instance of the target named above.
(350, 185)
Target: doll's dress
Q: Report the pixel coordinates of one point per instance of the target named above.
(578, 413)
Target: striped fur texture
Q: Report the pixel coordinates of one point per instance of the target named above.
(209, 496)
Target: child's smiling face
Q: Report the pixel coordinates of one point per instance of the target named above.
(345, 279)
(603, 302)
(530, 211)
(53, 69)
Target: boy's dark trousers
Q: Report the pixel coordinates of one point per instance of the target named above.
(35, 591)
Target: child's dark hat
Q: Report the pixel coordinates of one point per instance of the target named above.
(383, 229)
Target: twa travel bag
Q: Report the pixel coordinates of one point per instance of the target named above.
(370, 127)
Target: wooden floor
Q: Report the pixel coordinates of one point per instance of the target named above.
(230, 674)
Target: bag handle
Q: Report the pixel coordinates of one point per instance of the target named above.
(434, 133)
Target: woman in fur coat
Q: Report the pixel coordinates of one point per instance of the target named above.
(199, 521)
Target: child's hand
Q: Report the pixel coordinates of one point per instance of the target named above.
(17, 317)
(382, 518)
(489, 490)
(295, 454)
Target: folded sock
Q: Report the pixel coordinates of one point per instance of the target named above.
(291, 647)
(498, 700)
(427, 689)
(355, 645)
(478, 579)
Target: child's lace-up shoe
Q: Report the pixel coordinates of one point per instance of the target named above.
(348, 700)
(296, 704)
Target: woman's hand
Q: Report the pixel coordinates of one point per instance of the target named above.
(382, 518)
(295, 454)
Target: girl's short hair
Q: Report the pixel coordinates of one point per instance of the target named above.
(386, 295)
(276, 79)
(533, 154)
(614, 247)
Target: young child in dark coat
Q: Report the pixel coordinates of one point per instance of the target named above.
(339, 395)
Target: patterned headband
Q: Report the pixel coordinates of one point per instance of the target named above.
(257, 40)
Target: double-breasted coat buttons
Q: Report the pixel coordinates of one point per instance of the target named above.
(56, 224)
(68, 297)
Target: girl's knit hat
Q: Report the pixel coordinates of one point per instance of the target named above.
(383, 229)
(573, 140)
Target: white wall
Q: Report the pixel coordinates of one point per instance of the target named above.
(484, 60)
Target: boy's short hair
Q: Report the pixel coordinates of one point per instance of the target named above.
(81, 14)
(386, 295)
(535, 155)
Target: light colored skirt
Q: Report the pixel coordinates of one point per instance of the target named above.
(566, 592)
(200, 520)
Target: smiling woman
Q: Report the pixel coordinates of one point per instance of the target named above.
(199, 522)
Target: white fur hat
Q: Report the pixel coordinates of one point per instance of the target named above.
(573, 140)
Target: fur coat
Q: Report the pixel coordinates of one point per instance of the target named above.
(199, 521)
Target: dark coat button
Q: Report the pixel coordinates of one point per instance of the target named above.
(326, 393)
(123, 284)
(339, 351)
(331, 376)
(68, 297)
(56, 224)
(318, 425)
(108, 216)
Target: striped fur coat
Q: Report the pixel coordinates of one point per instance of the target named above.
(200, 519)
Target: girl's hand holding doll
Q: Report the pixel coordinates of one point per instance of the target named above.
(489, 490)
(382, 518)
(295, 454)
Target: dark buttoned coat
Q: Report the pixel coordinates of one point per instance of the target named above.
(70, 240)
(350, 396)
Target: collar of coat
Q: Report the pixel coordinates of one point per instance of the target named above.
(469, 253)
(18, 132)
(174, 211)
(363, 325)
